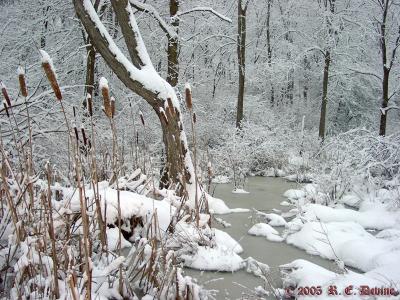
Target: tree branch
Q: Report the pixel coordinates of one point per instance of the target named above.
(145, 82)
(205, 9)
(153, 12)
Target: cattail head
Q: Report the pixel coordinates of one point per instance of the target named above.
(6, 108)
(47, 65)
(22, 81)
(5, 94)
(105, 91)
(76, 132)
(141, 117)
(194, 118)
(188, 96)
(84, 135)
(89, 104)
(209, 169)
(112, 107)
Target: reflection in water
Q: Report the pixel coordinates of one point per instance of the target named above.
(265, 195)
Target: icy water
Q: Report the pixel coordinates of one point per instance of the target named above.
(265, 195)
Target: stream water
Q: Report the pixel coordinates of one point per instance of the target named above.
(265, 195)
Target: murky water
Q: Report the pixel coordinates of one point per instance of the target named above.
(265, 195)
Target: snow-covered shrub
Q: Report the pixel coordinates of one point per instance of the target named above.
(357, 161)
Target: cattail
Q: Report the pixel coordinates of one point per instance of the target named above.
(89, 104)
(5, 94)
(194, 118)
(170, 107)
(47, 65)
(105, 91)
(76, 132)
(74, 111)
(22, 82)
(188, 94)
(6, 108)
(112, 107)
(141, 117)
(163, 116)
(209, 169)
(84, 135)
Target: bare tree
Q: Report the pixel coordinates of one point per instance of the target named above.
(140, 76)
(388, 58)
(329, 6)
(241, 54)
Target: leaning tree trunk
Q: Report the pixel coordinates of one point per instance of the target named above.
(324, 103)
(135, 75)
(241, 52)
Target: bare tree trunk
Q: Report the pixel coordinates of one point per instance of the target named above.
(325, 82)
(269, 49)
(173, 45)
(241, 52)
(386, 71)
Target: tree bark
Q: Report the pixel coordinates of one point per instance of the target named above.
(324, 103)
(241, 53)
(386, 71)
(173, 45)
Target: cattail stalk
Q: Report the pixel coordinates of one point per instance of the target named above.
(189, 104)
(51, 233)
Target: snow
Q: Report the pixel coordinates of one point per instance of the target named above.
(262, 229)
(294, 194)
(113, 238)
(346, 241)
(273, 219)
(302, 273)
(223, 238)
(240, 191)
(377, 218)
(132, 204)
(20, 71)
(214, 259)
(103, 83)
(47, 59)
(220, 179)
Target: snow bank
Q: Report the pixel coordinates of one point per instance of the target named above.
(240, 191)
(112, 240)
(262, 229)
(273, 219)
(377, 218)
(217, 258)
(302, 273)
(346, 241)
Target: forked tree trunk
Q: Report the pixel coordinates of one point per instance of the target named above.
(131, 73)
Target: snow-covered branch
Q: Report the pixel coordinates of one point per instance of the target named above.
(369, 73)
(144, 7)
(205, 9)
